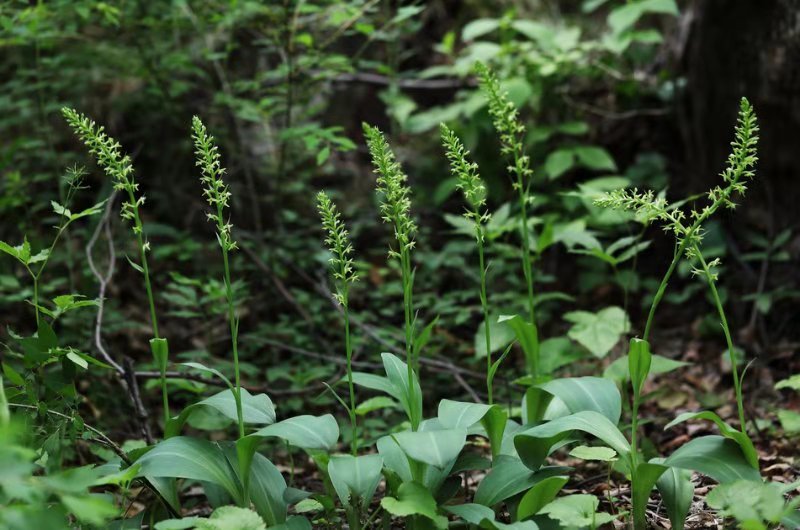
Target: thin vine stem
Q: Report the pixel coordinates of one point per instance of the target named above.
(737, 383)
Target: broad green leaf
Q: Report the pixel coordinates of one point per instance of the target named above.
(534, 444)
(94, 509)
(509, 477)
(677, 492)
(540, 495)
(619, 370)
(790, 421)
(376, 382)
(257, 410)
(602, 454)
(461, 415)
(355, 475)
(501, 336)
(77, 360)
(409, 394)
(627, 15)
(376, 403)
(305, 432)
(586, 393)
(414, 499)
(644, 480)
(212, 371)
(717, 457)
(478, 28)
(21, 253)
(394, 459)
(232, 518)
(595, 158)
(598, 332)
(725, 430)
(437, 448)
(577, 511)
(472, 513)
(484, 517)
(267, 487)
(528, 337)
(559, 162)
(190, 458)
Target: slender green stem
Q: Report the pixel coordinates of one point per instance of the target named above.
(139, 231)
(348, 346)
(234, 327)
(485, 306)
(737, 383)
(408, 306)
(36, 296)
(526, 248)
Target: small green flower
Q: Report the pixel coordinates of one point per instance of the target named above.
(215, 191)
(339, 245)
(391, 184)
(466, 172)
(108, 153)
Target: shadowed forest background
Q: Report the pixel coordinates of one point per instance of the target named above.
(612, 94)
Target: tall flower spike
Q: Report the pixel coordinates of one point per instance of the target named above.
(395, 204)
(466, 172)
(504, 116)
(108, 153)
(338, 243)
(215, 190)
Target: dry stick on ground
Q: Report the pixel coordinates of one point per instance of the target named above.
(125, 374)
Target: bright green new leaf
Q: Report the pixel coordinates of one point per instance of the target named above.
(619, 370)
(598, 332)
(359, 476)
(577, 511)
(414, 499)
(602, 454)
(754, 504)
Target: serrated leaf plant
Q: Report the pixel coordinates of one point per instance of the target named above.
(118, 166)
